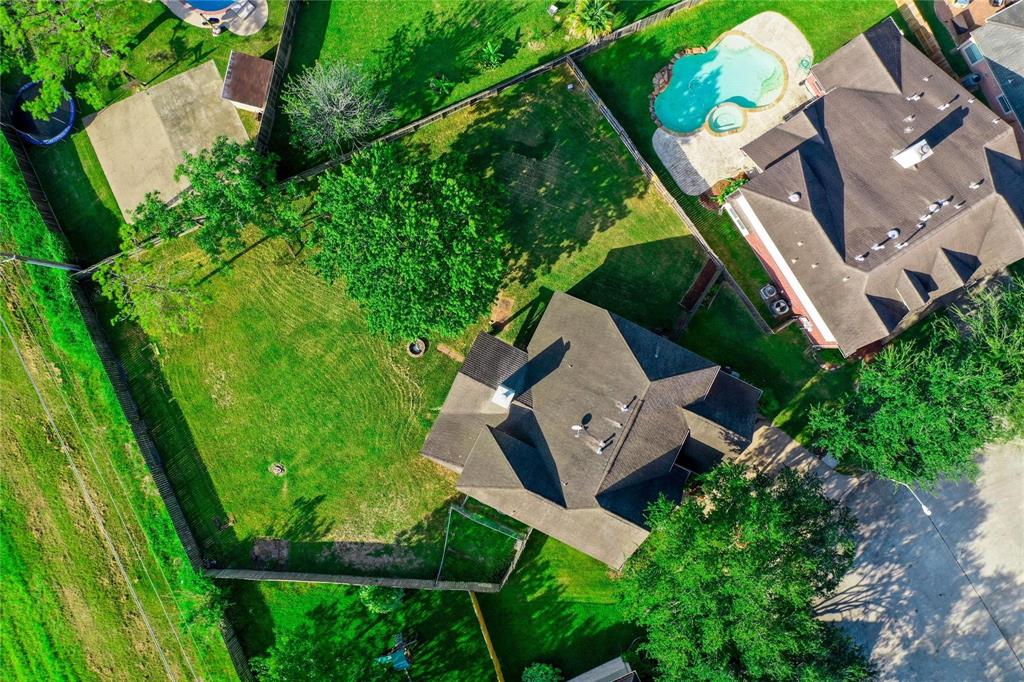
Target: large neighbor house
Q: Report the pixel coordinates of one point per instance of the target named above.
(882, 197)
(995, 51)
(577, 434)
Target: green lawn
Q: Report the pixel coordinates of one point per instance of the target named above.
(65, 609)
(80, 196)
(285, 370)
(780, 364)
(451, 646)
(622, 74)
(559, 607)
(405, 43)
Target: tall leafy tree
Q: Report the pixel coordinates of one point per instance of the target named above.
(159, 294)
(313, 651)
(54, 40)
(417, 241)
(231, 187)
(922, 409)
(333, 107)
(726, 583)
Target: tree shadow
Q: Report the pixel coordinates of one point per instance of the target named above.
(440, 42)
(542, 615)
(907, 601)
(566, 177)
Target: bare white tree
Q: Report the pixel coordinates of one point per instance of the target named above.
(334, 107)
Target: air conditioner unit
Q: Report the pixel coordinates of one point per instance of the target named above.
(780, 307)
(768, 292)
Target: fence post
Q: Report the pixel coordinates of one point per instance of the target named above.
(284, 51)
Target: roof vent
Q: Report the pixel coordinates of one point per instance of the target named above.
(893, 233)
(503, 396)
(902, 245)
(908, 119)
(913, 155)
(920, 225)
(877, 247)
(976, 184)
(960, 204)
(908, 129)
(794, 197)
(915, 97)
(860, 258)
(934, 207)
(926, 78)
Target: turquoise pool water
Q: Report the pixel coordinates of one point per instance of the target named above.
(735, 71)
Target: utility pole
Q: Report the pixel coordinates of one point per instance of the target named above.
(67, 267)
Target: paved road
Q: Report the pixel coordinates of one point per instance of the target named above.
(939, 598)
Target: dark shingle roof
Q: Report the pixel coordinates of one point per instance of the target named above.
(1001, 40)
(247, 79)
(835, 159)
(584, 366)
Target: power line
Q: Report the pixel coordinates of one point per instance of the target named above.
(117, 508)
(87, 496)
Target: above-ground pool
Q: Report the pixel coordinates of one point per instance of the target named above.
(44, 132)
(716, 86)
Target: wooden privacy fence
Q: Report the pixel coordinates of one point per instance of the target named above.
(284, 52)
(297, 577)
(582, 51)
(660, 188)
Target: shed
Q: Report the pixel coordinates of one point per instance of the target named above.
(247, 81)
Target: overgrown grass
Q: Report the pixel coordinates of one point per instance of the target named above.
(450, 645)
(285, 370)
(780, 364)
(622, 74)
(66, 612)
(404, 44)
(559, 607)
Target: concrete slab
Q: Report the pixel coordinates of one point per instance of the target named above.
(940, 598)
(139, 141)
(698, 161)
(929, 598)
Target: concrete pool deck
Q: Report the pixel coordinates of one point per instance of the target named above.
(139, 141)
(698, 161)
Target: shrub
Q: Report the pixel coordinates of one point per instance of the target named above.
(333, 107)
(592, 18)
(380, 599)
(542, 672)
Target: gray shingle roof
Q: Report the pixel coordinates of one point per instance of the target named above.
(1001, 40)
(835, 159)
(584, 367)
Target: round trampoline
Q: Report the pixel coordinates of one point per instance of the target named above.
(46, 132)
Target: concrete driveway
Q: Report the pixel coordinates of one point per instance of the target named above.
(930, 598)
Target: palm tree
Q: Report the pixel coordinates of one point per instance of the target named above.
(592, 18)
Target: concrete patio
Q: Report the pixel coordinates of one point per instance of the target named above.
(139, 141)
(699, 160)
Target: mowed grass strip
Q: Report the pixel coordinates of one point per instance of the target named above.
(285, 370)
(404, 44)
(450, 646)
(622, 73)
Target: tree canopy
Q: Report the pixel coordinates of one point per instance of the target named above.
(312, 652)
(417, 241)
(923, 408)
(52, 40)
(333, 107)
(231, 187)
(726, 583)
